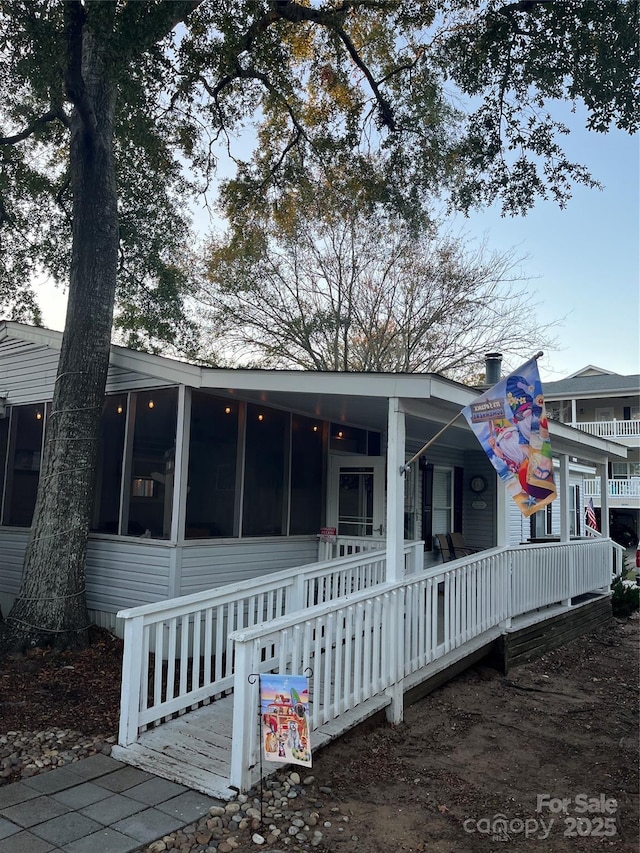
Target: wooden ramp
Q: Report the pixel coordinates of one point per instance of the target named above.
(195, 748)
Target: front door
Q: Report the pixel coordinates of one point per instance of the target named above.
(356, 495)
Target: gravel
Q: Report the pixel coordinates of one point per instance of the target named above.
(290, 816)
(24, 754)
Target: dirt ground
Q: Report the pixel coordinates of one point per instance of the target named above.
(482, 764)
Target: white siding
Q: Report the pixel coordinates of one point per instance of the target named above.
(126, 572)
(478, 521)
(13, 542)
(28, 372)
(209, 565)
(120, 573)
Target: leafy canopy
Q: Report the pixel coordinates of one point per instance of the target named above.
(404, 99)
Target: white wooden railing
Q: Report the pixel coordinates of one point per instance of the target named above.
(178, 653)
(368, 644)
(610, 429)
(332, 548)
(629, 488)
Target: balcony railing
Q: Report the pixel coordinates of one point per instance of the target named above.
(629, 488)
(610, 429)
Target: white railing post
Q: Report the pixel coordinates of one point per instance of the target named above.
(245, 712)
(297, 596)
(131, 680)
(395, 649)
(395, 491)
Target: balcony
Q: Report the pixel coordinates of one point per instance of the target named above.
(618, 429)
(621, 492)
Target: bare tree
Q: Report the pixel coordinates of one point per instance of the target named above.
(364, 292)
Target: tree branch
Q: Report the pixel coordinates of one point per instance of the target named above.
(53, 114)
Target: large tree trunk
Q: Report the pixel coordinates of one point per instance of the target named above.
(51, 607)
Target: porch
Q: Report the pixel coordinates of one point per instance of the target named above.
(190, 709)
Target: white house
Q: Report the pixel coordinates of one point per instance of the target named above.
(216, 490)
(212, 476)
(606, 404)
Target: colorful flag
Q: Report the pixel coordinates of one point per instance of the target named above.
(591, 515)
(510, 422)
(284, 714)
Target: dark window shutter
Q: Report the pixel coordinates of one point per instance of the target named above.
(458, 489)
(427, 505)
(627, 413)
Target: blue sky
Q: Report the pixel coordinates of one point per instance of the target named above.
(582, 262)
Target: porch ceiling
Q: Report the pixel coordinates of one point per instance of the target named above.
(424, 416)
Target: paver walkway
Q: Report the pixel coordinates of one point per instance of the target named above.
(97, 805)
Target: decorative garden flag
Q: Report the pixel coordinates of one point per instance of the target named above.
(510, 422)
(284, 710)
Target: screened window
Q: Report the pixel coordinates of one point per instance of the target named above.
(213, 453)
(4, 449)
(266, 450)
(109, 479)
(152, 467)
(307, 466)
(23, 470)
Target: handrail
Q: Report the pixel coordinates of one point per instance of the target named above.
(164, 641)
(367, 643)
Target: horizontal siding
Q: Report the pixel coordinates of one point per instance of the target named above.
(13, 543)
(478, 522)
(27, 372)
(215, 564)
(125, 573)
(120, 573)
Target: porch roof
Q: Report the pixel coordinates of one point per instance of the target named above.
(360, 399)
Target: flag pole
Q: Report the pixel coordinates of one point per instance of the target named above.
(405, 467)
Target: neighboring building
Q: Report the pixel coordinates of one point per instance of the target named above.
(607, 405)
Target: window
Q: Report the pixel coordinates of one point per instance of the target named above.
(23, 468)
(113, 427)
(410, 503)
(154, 444)
(213, 451)
(605, 413)
(354, 441)
(266, 449)
(619, 470)
(542, 522)
(575, 506)
(307, 469)
(442, 513)
(4, 448)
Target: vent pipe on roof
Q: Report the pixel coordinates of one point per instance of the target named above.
(493, 367)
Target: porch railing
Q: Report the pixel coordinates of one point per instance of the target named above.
(368, 644)
(629, 488)
(342, 546)
(178, 653)
(611, 429)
